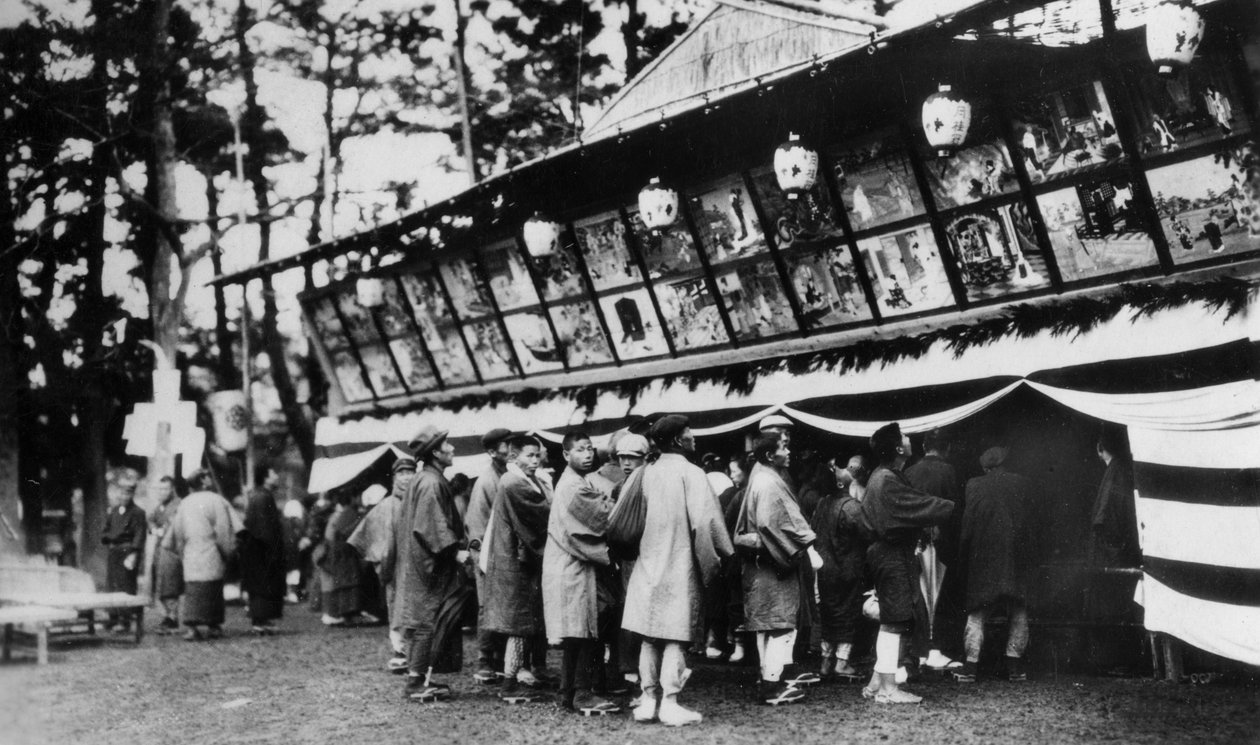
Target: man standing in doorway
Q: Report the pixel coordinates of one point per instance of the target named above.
(938, 616)
(684, 541)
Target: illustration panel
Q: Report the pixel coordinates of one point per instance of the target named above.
(827, 285)
(1066, 131)
(468, 296)
(997, 252)
(1096, 229)
(350, 377)
(490, 349)
(691, 313)
(877, 182)
(668, 252)
(755, 300)
(356, 319)
(327, 324)
(535, 346)
(560, 272)
(980, 170)
(508, 276)
(1196, 104)
(726, 221)
(425, 295)
(416, 371)
(581, 335)
(808, 220)
(380, 370)
(1209, 206)
(602, 239)
(393, 314)
(907, 272)
(636, 333)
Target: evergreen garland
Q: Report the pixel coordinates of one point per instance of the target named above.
(1070, 317)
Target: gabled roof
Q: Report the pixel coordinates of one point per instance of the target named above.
(735, 43)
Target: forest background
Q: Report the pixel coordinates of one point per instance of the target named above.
(120, 197)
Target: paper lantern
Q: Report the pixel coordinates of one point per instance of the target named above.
(658, 205)
(370, 292)
(946, 119)
(1173, 33)
(231, 419)
(795, 166)
(542, 235)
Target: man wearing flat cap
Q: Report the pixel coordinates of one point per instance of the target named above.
(994, 542)
(432, 588)
(684, 541)
(374, 540)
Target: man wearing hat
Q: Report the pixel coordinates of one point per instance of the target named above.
(432, 588)
(480, 501)
(126, 529)
(629, 453)
(994, 544)
(374, 540)
(684, 541)
(895, 514)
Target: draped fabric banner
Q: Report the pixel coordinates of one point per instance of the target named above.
(1198, 510)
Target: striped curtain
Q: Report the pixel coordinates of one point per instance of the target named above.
(1198, 511)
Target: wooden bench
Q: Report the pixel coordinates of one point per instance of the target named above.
(32, 583)
(31, 619)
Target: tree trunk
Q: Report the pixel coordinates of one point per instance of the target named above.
(11, 534)
(225, 361)
(166, 312)
(462, 86)
(299, 425)
(630, 38)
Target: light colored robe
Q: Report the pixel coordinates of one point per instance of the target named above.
(374, 540)
(203, 535)
(771, 582)
(427, 533)
(512, 548)
(574, 551)
(684, 541)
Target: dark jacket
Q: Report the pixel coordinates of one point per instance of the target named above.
(995, 538)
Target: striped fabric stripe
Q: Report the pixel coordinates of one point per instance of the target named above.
(1198, 506)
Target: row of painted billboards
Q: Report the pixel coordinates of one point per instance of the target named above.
(748, 264)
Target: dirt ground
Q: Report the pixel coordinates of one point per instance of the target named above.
(316, 685)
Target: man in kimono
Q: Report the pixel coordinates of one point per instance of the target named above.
(476, 518)
(261, 546)
(631, 453)
(1113, 528)
(433, 587)
(684, 542)
(773, 538)
(374, 540)
(994, 544)
(203, 536)
(126, 529)
(512, 554)
(895, 514)
(841, 581)
(168, 581)
(939, 620)
(576, 552)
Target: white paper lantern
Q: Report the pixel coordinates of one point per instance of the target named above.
(795, 166)
(658, 205)
(1173, 33)
(946, 119)
(231, 419)
(370, 292)
(541, 235)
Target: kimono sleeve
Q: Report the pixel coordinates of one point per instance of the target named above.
(430, 524)
(913, 508)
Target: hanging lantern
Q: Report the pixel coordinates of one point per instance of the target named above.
(658, 205)
(795, 166)
(370, 292)
(231, 419)
(1173, 33)
(946, 119)
(542, 235)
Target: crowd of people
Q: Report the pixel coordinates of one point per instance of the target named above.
(630, 565)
